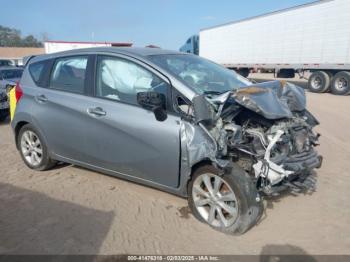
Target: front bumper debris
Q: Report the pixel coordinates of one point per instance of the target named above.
(304, 162)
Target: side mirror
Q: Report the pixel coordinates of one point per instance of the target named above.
(203, 110)
(153, 101)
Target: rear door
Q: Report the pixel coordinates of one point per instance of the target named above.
(124, 137)
(60, 108)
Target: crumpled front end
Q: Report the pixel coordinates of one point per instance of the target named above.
(265, 129)
(286, 156)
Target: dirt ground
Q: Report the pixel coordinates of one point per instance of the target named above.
(70, 210)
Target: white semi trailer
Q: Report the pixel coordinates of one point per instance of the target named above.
(314, 37)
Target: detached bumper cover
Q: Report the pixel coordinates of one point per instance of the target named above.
(303, 162)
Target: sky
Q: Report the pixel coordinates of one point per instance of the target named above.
(165, 23)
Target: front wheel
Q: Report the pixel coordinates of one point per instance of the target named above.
(33, 149)
(228, 203)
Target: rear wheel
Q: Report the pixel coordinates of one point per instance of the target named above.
(228, 203)
(341, 83)
(33, 149)
(319, 82)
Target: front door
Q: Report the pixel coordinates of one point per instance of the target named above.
(123, 136)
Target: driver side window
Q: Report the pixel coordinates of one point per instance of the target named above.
(121, 80)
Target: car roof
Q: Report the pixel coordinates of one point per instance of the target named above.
(139, 51)
(131, 51)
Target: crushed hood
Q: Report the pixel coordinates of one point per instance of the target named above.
(272, 100)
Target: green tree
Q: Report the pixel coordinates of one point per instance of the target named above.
(12, 38)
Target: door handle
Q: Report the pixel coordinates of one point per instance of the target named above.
(96, 111)
(41, 98)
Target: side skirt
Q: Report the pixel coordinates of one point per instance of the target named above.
(176, 191)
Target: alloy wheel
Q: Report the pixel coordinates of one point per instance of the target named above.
(215, 200)
(31, 148)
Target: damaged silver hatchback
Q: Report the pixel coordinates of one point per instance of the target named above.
(172, 121)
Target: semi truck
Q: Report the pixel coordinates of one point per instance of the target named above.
(191, 46)
(313, 38)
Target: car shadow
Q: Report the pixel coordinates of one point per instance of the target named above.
(34, 223)
(285, 253)
(60, 165)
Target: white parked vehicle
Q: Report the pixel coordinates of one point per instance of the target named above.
(313, 37)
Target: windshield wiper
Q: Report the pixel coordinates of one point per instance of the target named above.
(212, 92)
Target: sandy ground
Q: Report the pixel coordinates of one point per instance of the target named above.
(70, 210)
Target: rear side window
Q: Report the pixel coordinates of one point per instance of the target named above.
(69, 74)
(36, 70)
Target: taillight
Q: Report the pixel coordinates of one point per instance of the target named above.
(19, 92)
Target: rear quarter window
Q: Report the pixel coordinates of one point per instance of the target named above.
(36, 71)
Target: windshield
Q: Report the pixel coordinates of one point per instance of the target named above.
(9, 74)
(203, 76)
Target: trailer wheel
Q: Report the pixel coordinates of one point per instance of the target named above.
(319, 82)
(341, 83)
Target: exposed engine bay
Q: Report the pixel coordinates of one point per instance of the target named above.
(266, 129)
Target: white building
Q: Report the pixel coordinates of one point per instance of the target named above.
(58, 46)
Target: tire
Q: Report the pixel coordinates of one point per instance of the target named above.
(319, 82)
(341, 83)
(248, 208)
(27, 138)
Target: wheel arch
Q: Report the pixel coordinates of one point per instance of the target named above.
(17, 128)
(196, 166)
(203, 162)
